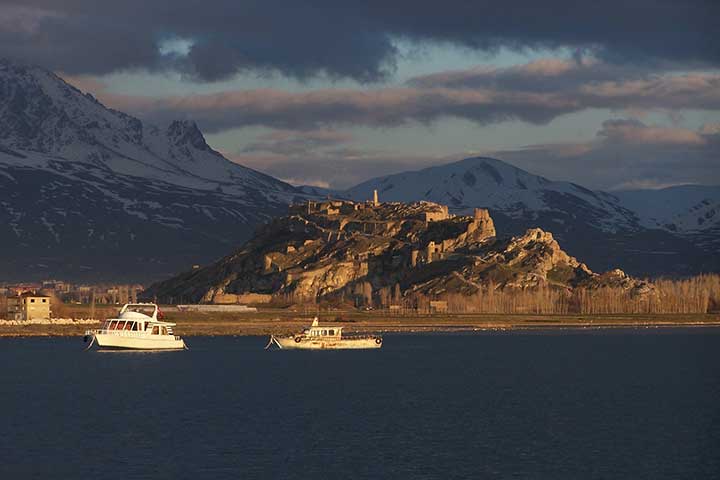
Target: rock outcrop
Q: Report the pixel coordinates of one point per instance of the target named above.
(335, 249)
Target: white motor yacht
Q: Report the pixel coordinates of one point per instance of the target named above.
(137, 328)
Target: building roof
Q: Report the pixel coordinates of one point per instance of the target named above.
(33, 295)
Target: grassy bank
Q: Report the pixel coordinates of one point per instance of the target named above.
(281, 321)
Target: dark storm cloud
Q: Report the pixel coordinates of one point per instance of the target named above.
(389, 107)
(542, 76)
(76, 42)
(350, 40)
(226, 37)
(539, 92)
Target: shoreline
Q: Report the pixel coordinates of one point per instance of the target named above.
(284, 323)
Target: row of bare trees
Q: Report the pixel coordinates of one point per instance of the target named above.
(700, 294)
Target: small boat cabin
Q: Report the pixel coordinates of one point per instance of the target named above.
(316, 330)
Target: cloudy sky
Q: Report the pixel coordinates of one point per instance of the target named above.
(612, 95)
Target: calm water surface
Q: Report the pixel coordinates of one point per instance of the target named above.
(620, 404)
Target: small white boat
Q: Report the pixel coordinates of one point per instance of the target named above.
(136, 328)
(319, 337)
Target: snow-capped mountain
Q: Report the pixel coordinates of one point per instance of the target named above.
(491, 183)
(686, 208)
(648, 232)
(90, 192)
(87, 190)
(691, 211)
(40, 113)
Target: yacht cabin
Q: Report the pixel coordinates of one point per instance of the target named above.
(316, 331)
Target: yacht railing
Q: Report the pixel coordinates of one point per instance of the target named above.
(129, 333)
(353, 336)
(121, 333)
(344, 336)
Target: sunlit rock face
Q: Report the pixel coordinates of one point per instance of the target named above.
(335, 249)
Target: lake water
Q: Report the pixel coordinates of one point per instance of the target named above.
(562, 404)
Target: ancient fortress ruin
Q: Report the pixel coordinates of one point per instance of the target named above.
(340, 249)
(342, 219)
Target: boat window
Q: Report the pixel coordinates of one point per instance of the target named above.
(163, 330)
(128, 326)
(134, 326)
(324, 332)
(332, 332)
(155, 330)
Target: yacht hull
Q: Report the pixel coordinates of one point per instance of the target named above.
(290, 343)
(162, 342)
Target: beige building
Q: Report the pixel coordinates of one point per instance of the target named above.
(28, 307)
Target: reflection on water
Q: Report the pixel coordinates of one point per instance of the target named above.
(620, 404)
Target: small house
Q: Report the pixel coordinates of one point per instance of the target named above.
(28, 306)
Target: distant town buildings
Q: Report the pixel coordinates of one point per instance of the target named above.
(66, 292)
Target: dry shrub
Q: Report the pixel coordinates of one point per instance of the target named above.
(700, 294)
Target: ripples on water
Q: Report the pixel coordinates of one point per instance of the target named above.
(620, 404)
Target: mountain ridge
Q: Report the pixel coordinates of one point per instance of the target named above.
(604, 227)
(91, 193)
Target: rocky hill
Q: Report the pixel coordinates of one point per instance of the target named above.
(341, 249)
(92, 193)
